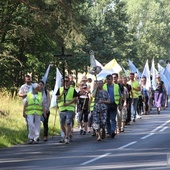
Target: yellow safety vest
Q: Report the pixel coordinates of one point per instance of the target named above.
(68, 98)
(116, 92)
(135, 84)
(92, 104)
(34, 104)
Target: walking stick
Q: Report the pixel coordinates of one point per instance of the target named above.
(54, 122)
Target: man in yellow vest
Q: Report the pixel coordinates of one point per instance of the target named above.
(115, 99)
(135, 90)
(33, 109)
(66, 99)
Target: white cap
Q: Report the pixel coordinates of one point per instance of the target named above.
(35, 85)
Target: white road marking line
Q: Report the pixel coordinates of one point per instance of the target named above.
(122, 147)
(159, 127)
(163, 129)
(95, 159)
(147, 135)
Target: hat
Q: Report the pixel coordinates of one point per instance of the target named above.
(84, 78)
(35, 85)
(84, 86)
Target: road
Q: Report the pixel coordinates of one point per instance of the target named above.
(145, 144)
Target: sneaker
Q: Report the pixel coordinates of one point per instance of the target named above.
(113, 135)
(108, 135)
(66, 141)
(122, 130)
(45, 138)
(31, 141)
(81, 132)
(61, 140)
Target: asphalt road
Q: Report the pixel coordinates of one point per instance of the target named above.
(145, 144)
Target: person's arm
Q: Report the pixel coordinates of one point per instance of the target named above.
(24, 109)
(21, 93)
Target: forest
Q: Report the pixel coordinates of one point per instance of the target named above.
(33, 32)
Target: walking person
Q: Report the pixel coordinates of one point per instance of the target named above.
(101, 100)
(128, 104)
(158, 93)
(145, 95)
(66, 98)
(33, 109)
(135, 90)
(25, 88)
(83, 108)
(46, 101)
(115, 100)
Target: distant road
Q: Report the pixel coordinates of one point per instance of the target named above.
(145, 144)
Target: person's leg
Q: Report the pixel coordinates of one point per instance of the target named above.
(69, 118)
(37, 122)
(119, 120)
(113, 114)
(135, 102)
(85, 120)
(45, 124)
(108, 126)
(62, 122)
(30, 121)
(129, 102)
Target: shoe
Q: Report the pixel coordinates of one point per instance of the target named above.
(103, 133)
(98, 139)
(31, 141)
(134, 120)
(84, 132)
(122, 130)
(66, 141)
(45, 139)
(81, 132)
(158, 112)
(108, 135)
(61, 140)
(36, 141)
(94, 133)
(113, 134)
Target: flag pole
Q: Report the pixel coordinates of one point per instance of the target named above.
(54, 121)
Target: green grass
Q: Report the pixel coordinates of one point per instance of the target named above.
(13, 128)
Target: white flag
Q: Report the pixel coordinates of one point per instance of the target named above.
(57, 86)
(153, 73)
(146, 73)
(132, 67)
(44, 78)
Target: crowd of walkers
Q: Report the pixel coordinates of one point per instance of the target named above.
(103, 108)
(100, 107)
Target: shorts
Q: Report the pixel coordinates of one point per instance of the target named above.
(66, 118)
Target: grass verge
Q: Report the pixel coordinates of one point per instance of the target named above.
(13, 128)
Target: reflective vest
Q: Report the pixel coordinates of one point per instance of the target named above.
(68, 98)
(116, 92)
(34, 104)
(92, 104)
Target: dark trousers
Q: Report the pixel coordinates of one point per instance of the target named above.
(129, 102)
(45, 124)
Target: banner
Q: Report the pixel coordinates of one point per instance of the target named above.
(57, 86)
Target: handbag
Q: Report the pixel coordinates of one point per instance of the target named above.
(113, 106)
